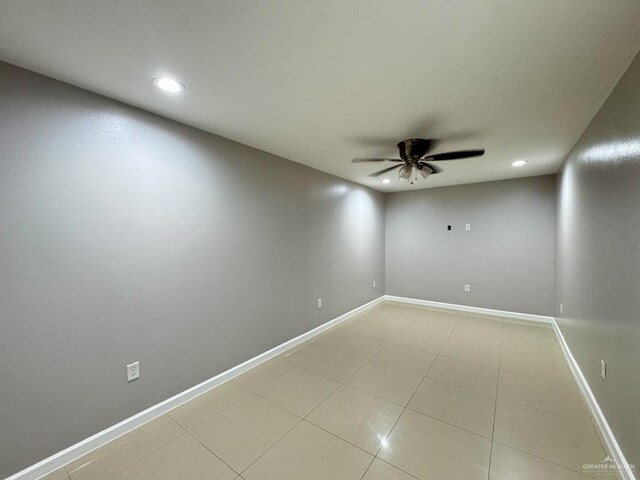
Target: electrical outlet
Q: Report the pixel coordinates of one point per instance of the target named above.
(374, 284)
(467, 227)
(603, 369)
(467, 288)
(133, 371)
(319, 303)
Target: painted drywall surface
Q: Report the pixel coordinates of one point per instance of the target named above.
(125, 236)
(598, 258)
(506, 258)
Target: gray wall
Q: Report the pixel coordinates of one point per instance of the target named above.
(598, 258)
(506, 257)
(125, 236)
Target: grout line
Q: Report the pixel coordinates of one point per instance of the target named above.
(495, 405)
(212, 452)
(137, 461)
(368, 467)
(249, 392)
(397, 468)
(543, 459)
(414, 392)
(268, 449)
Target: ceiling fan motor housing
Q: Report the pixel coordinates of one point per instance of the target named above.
(413, 148)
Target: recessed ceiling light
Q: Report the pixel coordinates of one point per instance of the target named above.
(519, 163)
(386, 180)
(167, 84)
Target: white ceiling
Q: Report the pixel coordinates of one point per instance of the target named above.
(322, 82)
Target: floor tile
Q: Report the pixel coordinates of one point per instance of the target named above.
(310, 453)
(123, 452)
(405, 358)
(203, 407)
(60, 474)
(398, 317)
(428, 342)
(299, 354)
(298, 391)
(522, 335)
(430, 449)
(436, 325)
(332, 364)
(244, 431)
(487, 332)
(377, 331)
(541, 361)
(510, 464)
(184, 458)
(447, 366)
(480, 353)
(353, 344)
(262, 374)
(357, 417)
(386, 382)
(380, 470)
(559, 398)
(557, 439)
(465, 374)
(457, 406)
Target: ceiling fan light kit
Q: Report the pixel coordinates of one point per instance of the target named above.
(414, 159)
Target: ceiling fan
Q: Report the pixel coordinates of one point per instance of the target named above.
(414, 159)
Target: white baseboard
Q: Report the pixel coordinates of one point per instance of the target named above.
(526, 317)
(603, 425)
(76, 451)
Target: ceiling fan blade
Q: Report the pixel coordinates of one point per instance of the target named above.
(455, 155)
(383, 171)
(435, 168)
(361, 160)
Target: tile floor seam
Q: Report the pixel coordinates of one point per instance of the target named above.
(373, 459)
(398, 468)
(212, 453)
(542, 458)
(215, 414)
(257, 366)
(147, 456)
(137, 461)
(338, 436)
(495, 405)
(268, 449)
(405, 408)
(450, 424)
(536, 378)
(378, 396)
(459, 386)
(280, 406)
(467, 361)
(544, 411)
(398, 368)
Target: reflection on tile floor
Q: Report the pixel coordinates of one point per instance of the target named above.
(397, 393)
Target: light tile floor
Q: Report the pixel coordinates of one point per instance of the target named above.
(397, 393)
